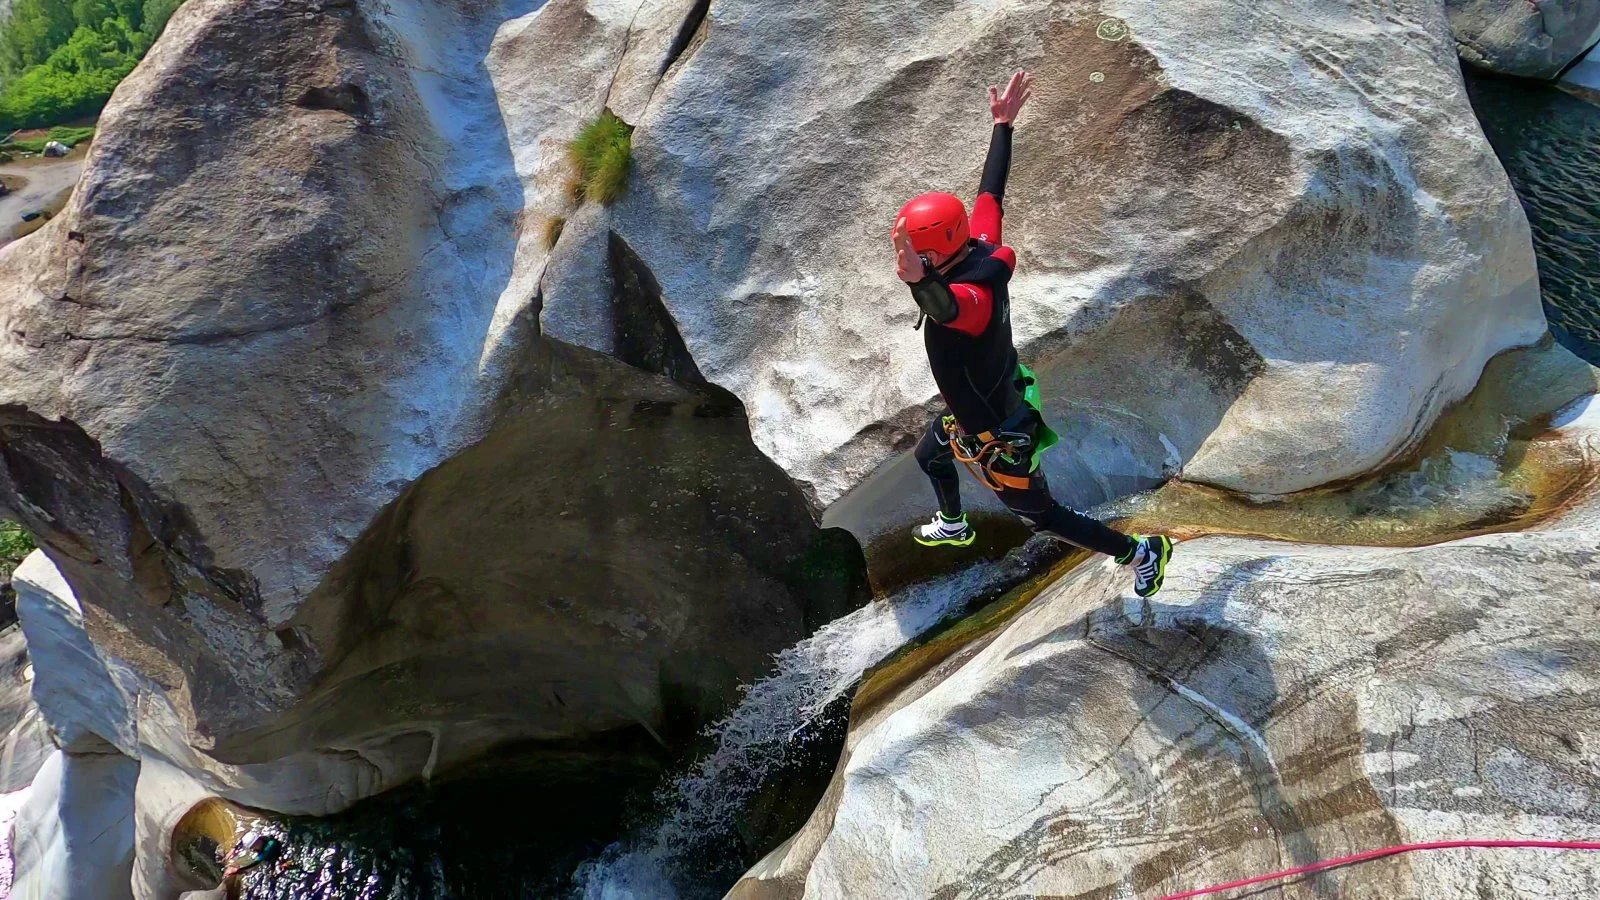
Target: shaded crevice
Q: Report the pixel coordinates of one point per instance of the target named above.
(1576, 62)
(644, 333)
(567, 573)
(691, 28)
(89, 509)
(151, 594)
(349, 99)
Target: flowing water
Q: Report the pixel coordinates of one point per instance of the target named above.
(684, 843)
(760, 734)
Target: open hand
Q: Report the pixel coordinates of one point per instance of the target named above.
(1005, 106)
(908, 265)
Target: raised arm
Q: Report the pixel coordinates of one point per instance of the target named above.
(986, 209)
(997, 163)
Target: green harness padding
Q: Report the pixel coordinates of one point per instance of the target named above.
(1045, 437)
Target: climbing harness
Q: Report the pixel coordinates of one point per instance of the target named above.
(982, 452)
(1005, 444)
(1370, 855)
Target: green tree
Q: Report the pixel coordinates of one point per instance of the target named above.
(33, 31)
(15, 545)
(82, 68)
(155, 15)
(90, 13)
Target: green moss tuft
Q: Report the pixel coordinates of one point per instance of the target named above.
(602, 153)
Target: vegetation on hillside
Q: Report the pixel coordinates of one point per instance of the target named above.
(60, 59)
(61, 134)
(15, 545)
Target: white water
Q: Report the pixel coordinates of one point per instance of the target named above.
(756, 737)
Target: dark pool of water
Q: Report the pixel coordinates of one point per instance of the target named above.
(514, 827)
(519, 826)
(1549, 142)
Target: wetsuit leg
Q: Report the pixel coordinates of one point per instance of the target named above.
(1042, 513)
(937, 460)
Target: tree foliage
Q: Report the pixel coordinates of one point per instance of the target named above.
(62, 58)
(15, 545)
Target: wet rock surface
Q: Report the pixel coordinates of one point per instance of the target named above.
(1490, 464)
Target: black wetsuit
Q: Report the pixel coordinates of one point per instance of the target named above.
(974, 363)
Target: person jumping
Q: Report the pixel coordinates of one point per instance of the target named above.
(958, 270)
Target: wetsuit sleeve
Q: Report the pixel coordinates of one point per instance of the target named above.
(975, 305)
(998, 163)
(986, 210)
(933, 296)
(965, 305)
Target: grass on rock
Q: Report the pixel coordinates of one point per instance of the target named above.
(552, 231)
(602, 153)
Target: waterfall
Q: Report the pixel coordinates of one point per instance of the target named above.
(757, 736)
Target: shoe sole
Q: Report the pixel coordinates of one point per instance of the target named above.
(946, 542)
(1161, 567)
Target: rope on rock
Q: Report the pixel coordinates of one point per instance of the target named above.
(1379, 854)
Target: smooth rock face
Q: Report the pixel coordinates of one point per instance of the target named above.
(1530, 38)
(73, 839)
(1278, 704)
(24, 737)
(1272, 251)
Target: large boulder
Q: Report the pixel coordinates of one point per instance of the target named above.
(1530, 38)
(324, 509)
(1278, 704)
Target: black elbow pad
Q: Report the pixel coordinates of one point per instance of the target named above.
(934, 298)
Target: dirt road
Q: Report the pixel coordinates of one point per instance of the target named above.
(47, 180)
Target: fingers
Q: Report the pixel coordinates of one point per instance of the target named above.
(1018, 92)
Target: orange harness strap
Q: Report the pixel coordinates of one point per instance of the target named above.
(981, 464)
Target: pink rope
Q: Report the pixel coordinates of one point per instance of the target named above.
(1379, 854)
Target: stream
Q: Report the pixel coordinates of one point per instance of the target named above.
(515, 832)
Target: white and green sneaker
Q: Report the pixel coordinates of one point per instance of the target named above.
(1149, 559)
(942, 532)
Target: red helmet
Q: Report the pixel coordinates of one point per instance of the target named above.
(937, 222)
